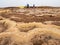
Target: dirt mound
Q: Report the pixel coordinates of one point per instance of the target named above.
(28, 33)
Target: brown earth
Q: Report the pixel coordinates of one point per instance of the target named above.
(30, 26)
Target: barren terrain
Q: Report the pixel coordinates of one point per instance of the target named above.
(30, 26)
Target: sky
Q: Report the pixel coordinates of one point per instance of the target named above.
(8, 3)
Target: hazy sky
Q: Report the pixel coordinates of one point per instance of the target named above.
(4, 3)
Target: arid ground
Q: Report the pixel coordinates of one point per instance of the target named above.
(30, 26)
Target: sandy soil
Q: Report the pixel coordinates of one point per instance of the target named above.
(29, 27)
